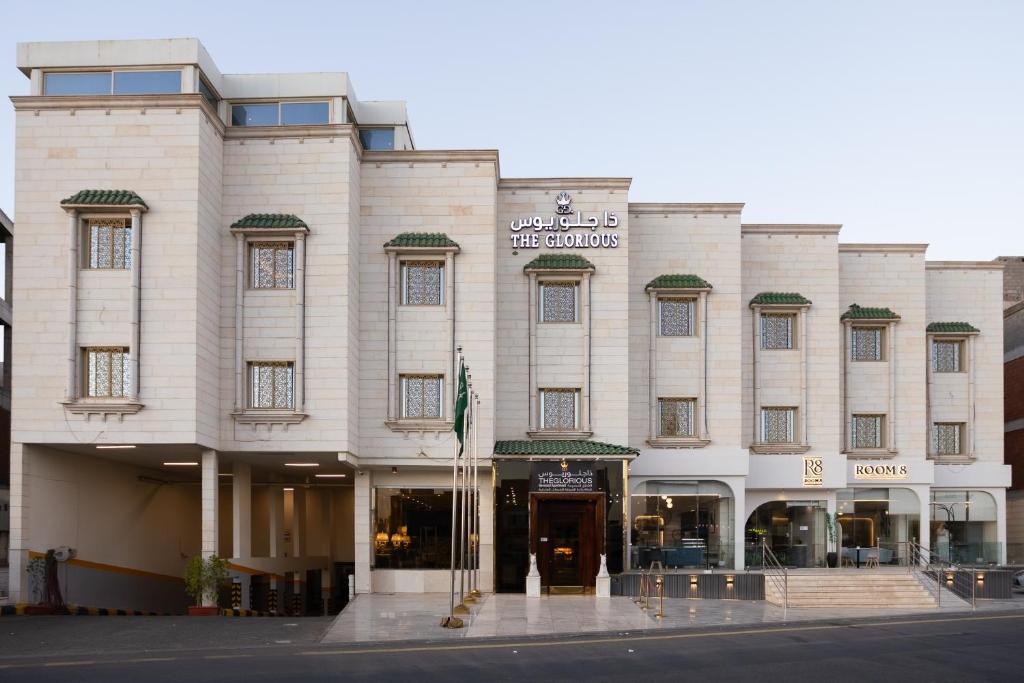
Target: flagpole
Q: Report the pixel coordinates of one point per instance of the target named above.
(476, 504)
(451, 621)
(462, 501)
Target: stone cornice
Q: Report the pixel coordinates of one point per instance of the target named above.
(964, 265)
(883, 248)
(108, 102)
(331, 130)
(489, 156)
(728, 208)
(564, 183)
(790, 228)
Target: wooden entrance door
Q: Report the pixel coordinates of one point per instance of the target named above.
(566, 541)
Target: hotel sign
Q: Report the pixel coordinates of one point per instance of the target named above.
(813, 471)
(565, 230)
(564, 477)
(880, 472)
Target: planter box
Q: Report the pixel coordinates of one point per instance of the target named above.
(194, 611)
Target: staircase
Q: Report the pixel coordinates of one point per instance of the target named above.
(845, 588)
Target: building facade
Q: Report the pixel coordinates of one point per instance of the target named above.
(239, 307)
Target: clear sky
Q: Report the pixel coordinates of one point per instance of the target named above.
(902, 120)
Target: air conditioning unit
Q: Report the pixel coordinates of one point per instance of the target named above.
(63, 553)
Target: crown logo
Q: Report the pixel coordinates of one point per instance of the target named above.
(563, 203)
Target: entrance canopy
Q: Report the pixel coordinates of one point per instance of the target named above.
(562, 448)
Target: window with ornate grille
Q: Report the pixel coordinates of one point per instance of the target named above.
(422, 283)
(946, 438)
(107, 372)
(110, 243)
(273, 265)
(866, 343)
(675, 317)
(272, 384)
(866, 431)
(777, 330)
(946, 355)
(558, 302)
(676, 416)
(559, 409)
(777, 425)
(422, 396)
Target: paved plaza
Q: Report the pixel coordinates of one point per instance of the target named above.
(400, 617)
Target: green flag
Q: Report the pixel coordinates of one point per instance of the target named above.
(461, 402)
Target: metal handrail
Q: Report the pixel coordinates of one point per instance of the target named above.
(923, 562)
(775, 572)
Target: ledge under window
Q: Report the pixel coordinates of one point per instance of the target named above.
(102, 407)
(779, 448)
(414, 425)
(959, 459)
(678, 442)
(550, 434)
(873, 453)
(269, 416)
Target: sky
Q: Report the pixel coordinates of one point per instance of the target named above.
(902, 120)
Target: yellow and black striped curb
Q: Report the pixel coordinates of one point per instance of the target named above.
(78, 610)
(248, 613)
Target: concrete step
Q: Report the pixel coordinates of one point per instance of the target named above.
(869, 589)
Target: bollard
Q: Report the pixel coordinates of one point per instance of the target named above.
(272, 601)
(236, 594)
(661, 596)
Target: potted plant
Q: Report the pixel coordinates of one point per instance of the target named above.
(831, 557)
(203, 578)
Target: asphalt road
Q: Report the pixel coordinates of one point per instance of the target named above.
(952, 648)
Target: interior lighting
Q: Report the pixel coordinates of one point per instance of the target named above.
(302, 464)
(330, 476)
(181, 464)
(113, 446)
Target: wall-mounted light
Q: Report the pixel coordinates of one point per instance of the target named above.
(394, 470)
(693, 581)
(288, 488)
(981, 577)
(949, 578)
(181, 464)
(728, 581)
(113, 446)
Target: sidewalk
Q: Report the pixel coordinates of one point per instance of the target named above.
(402, 617)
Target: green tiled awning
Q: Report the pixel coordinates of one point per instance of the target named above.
(104, 198)
(422, 240)
(856, 312)
(780, 299)
(559, 262)
(678, 281)
(271, 221)
(561, 448)
(952, 327)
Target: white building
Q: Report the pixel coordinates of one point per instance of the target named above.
(261, 277)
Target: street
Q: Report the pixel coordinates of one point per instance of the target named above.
(927, 648)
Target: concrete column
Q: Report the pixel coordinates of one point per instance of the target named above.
(700, 419)
(584, 421)
(739, 502)
(652, 372)
(448, 405)
(844, 389)
(240, 394)
(275, 546)
(756, 376)
(71, 393)
(363, 532)
(209, 501)
(928, 449)
(299, 540)
(135, 303)
(891, 357)
(532, 325)
(393, 294)
(1000, 497)
(924, 501)
(241, 510)
(804, 398)
(968, 445)
(300, 322)
(20, 541)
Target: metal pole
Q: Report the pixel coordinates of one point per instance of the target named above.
(450, 621)
(476, 505)
(462, 501)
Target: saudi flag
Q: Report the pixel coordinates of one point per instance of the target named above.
(461, 402)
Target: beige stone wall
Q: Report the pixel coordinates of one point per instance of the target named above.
(209, 258)
(960, 292)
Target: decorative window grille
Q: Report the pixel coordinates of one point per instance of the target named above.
(108, 373)
(273, 265)
(110, 244)
(946, 438)
(777, 425)
(866, 431)
(776, 331)
(559, 409)
(866, 343)
(558, 302)
(946, 356)
(422, 396)
(675, 317)
(422, 283)
(677, 416)
(272, 384)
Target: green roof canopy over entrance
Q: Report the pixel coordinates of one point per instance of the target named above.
(566, 448)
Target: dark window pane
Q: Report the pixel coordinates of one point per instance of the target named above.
(377, 138)
(304, 113)
(254, 115)
(147, 82)
(207, 92)
(92, 83)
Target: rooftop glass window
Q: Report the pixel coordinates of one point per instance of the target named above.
(112, 83)
(374, 139)
(305, 113)
(147, 82)
(280, 114)
(83, 83)
(207, 92)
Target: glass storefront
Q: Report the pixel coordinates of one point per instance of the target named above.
(794, 530)
(877, 522)
(413, 528)
(963, 526)
(682, 524)
(512, 518)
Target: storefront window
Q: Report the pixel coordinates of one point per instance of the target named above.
(963, 526)
(877, 522)
(682, 524)
(794, 530)
(413, 528)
